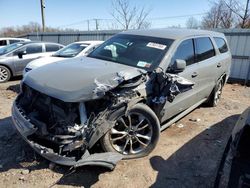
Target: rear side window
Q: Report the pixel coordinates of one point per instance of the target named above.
(185, 51)
(3, 42)
(221, 43)
(204, 48)
(52, 47)
(34, 48)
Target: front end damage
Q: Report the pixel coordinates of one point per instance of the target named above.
(65, 132)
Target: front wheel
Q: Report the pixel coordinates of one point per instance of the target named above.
(216, 94)
(4, 74)
(134, 135)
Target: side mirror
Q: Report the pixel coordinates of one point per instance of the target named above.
(20, 54)
(179, 65)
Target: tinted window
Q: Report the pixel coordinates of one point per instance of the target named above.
(221, 43)
(14, 41)
(203, 48)
(185, 51)
(3, 42)
(33, 48)
(52, 47)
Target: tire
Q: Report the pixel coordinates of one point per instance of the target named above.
(216, 94)
(5, 74)
(142, 133)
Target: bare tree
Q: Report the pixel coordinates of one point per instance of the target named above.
(227, 14)
(129, 17)
(219, 15)
(29, 28)
(242, 11)
(192, 23)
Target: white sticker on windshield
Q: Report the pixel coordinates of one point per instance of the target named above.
(156, 45)
(84, 45)
(143, 64)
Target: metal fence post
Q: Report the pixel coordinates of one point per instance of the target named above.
(248, 71)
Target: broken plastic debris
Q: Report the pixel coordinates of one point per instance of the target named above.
(180, 125)
(159, 100)
(102, 87)
(195, 119)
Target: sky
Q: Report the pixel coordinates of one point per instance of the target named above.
(74, 13)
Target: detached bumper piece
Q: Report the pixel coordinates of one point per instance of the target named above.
(26, 129)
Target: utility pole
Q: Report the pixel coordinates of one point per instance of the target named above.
(42, 12)
(96, 24)
(88, 24)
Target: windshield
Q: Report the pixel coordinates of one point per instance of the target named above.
(10, 48)
(133, 50)
(71, 50)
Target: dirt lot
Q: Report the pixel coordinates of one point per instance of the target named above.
(187, 155)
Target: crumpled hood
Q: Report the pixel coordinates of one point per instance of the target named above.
(79, 79)
(43, 61)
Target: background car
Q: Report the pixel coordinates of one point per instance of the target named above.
(14, 57)
(7, 41)
(76, 49)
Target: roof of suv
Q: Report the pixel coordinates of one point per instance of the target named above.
(172, 33)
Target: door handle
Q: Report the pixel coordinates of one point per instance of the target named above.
(194, 74)
(219, 65)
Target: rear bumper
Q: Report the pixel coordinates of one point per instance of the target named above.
(25, 128)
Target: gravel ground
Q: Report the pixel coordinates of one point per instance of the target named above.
(187, 154)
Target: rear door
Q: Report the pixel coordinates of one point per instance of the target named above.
(207, 70)
(184, 51)
(52, 47)
(31, 52)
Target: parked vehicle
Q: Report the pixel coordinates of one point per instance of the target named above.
(121, 95)
(6, 41)
(234, 168)
(14, 57)
(76, 49)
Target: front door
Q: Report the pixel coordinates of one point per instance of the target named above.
(185, 51)
(30, 52)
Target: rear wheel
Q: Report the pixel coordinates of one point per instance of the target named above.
(134, 135)
(216, 94)
(4, 74)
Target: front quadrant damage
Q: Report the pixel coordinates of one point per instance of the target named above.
(65, 132)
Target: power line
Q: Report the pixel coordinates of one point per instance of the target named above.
(180, 16)
(97, 21)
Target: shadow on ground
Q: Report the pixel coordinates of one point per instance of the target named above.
(15, 88)
(15, 152)
(13, 148)
(195, 163)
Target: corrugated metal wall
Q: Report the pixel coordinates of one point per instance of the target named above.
(239, 43)
(238, 39)
(69, 37)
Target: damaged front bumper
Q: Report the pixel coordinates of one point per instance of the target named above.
(25, 128)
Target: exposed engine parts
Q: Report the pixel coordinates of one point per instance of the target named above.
(71, 128)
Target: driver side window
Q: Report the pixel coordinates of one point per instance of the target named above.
(32, 49)
(185, 51)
